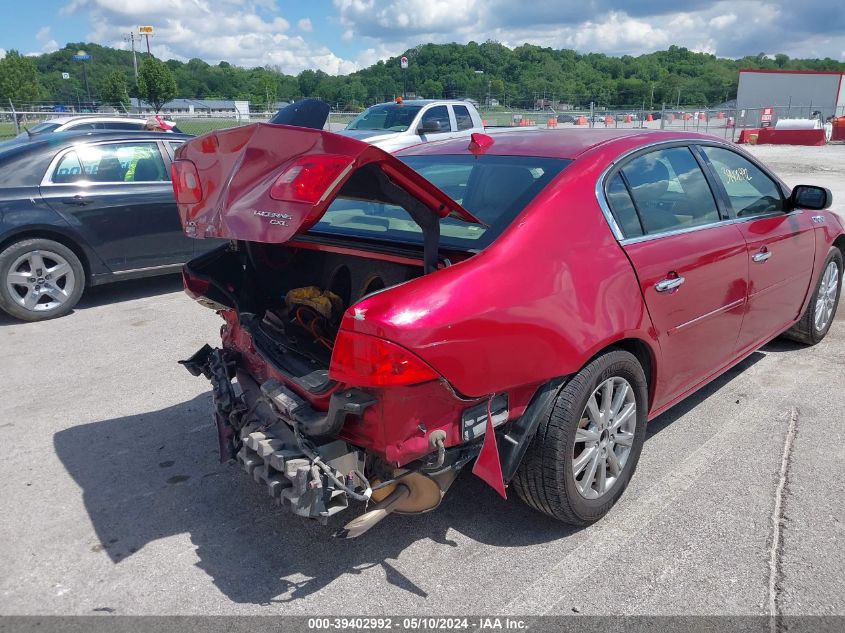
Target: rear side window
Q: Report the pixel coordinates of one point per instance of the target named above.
(623, 207)
(440, 114)
(750, 191)
(670, 191)
(123, 125)
(68, 169)
(462, 117)
(80, 127)
(116, 162)
(495, 189)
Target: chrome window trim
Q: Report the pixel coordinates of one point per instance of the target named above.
(611, 220)
(47, 182)
(701, 227)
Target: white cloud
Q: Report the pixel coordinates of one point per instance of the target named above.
(243, 32)
(305, 25)
(605, 26)
(48, 44)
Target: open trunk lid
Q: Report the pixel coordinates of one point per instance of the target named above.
(267, 183)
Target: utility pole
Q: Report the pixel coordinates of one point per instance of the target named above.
(131, 38)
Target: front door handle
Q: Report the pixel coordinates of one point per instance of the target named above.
(761, 256)
(78, 201)
(670, 283)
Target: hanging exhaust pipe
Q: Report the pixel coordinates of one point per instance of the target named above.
(356, 527)
(409, 493)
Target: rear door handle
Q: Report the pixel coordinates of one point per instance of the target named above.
(761, 256)
(670, 283)
(78, 201)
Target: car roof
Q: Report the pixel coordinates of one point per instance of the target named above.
(63, 120)
(549, 143)
(422, 102)
(56, 141)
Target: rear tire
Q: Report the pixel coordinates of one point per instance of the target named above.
(39, 279)
(553, 476)
(815, 323)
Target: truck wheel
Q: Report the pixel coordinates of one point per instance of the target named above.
(818, 317)
(39, 279)
(585, 452)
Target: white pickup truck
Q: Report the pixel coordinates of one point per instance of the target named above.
(392, 126)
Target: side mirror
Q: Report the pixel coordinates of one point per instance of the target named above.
(811, 197)
(432, 126)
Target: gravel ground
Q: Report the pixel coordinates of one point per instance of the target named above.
(823, 166)
(114, 500)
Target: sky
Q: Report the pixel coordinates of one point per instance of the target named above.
(341, 36)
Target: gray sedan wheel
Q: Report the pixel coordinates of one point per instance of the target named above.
(39, 279)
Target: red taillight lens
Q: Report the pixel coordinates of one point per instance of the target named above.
(369, 361)
(309, 178)
(186, 182)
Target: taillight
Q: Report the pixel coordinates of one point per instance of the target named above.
(369, 361)
(309, 178)
(186, 182)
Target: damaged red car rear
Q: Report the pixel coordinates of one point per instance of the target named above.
(522, 303)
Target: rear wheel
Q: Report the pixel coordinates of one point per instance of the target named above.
(818, 317)
(585, 452)
(39, 279)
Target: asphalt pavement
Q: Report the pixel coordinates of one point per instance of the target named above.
(114, 501)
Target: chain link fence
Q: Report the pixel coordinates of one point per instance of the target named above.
(725, 123)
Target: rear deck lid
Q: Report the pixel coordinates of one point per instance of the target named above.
(267, 183)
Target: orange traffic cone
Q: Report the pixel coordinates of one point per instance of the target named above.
(649, 118)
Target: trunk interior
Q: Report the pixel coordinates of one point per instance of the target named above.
(291, 299)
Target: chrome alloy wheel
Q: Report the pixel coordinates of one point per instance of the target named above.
(604, 437)
(40, 280)
(826, 299)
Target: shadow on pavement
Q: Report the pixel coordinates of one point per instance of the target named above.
(129, 290)
(108, 294)
(156, 474)
(690, 402)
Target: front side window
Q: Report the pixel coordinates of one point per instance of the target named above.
(750, 191)
(495, 189)
(670, 191)
(439, 116)
(462, 117)
(123, 162)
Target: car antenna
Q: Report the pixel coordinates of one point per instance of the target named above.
(28, 133)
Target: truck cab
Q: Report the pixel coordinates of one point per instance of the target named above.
(395, 125)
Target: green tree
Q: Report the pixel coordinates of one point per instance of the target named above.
(18, 79)
(113, 91)
(156, 84)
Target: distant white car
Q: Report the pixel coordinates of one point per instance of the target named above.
(393, 126)
(81, 123)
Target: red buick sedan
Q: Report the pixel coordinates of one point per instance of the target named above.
(523, 303)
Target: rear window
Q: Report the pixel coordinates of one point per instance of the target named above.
(493, 188)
